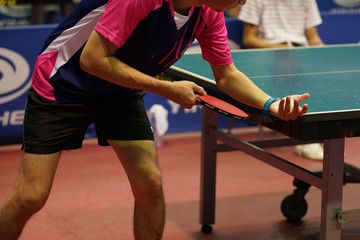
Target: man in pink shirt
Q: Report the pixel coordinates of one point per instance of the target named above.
(94, 69)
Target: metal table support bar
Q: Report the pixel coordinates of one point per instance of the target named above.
(348, 216)
(270, 159)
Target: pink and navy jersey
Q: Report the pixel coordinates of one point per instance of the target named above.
(147, 38)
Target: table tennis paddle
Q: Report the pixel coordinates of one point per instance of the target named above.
(221, 106)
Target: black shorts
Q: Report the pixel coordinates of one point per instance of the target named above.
(51, 126)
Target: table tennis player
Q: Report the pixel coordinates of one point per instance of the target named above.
(94, 68)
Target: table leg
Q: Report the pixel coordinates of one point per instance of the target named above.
(208, 168)
(332, 191)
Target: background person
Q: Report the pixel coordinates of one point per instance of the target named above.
(280, 23)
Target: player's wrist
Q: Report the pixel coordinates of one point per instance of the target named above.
(266, 107)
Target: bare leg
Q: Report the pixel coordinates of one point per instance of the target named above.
(140, 163)
(30, 193)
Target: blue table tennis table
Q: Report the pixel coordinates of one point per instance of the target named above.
(331, 75)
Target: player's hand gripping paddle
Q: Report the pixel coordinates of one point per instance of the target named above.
(215, 104)
(221, 106)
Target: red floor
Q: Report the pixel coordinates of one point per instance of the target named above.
(91, 198)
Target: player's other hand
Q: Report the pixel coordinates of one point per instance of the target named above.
(289, 108)
(183, 93)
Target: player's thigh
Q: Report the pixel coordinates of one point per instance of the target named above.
(138, 158)
(36, 175)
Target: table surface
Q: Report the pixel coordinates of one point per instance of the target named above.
(331, 75)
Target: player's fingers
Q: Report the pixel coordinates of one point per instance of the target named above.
(303, 110)
(199, 90)
(289, 105)
(296, 105)
(303, 97)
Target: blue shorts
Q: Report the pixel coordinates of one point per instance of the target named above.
(51, 126)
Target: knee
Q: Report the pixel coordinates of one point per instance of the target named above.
(148, 185)
(32, 199)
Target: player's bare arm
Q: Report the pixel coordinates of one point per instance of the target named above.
(97, 59)
(229, 79)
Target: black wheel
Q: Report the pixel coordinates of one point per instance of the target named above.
(293, 208)
(206, 228)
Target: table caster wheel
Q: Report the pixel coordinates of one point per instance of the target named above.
(206, 228)
(293, 208)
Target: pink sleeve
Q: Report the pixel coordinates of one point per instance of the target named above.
(213, 40)
(121, 17)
